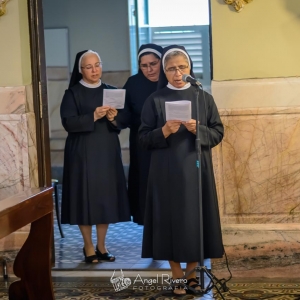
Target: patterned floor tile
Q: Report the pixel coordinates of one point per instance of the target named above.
(124, 240)
(102, 289)
(256, 291)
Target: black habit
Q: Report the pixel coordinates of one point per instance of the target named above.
(138, 89)
(94, 186)
(172, 229)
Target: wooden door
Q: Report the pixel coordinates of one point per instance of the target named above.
(39, 86)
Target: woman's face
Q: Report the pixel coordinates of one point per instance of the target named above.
(150, 66)
(91, 68)
(174, 68)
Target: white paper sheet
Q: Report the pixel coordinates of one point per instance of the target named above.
(179, 110)
(114, 98)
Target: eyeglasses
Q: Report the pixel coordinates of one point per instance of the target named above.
(90, 67)
(150, 65)
(174, 69)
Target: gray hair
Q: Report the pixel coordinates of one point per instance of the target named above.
(84, 54)
(176, 52)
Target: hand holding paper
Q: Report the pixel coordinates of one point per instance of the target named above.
(111, 114)
(190, 125)
(100, 112)
(114, 98)
(170, 127)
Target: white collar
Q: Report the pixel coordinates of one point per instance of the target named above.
(89, 85)
(172, 87)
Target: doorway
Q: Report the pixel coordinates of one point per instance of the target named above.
(103, 26)
(172, 22)
(39, 90)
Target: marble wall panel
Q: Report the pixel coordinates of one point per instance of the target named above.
(260, 250)
(14, 158)
(32, 150)
(29, 98)
(12, 100)
(257, 166)
(18, 154)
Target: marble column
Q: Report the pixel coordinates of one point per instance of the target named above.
(18, 156)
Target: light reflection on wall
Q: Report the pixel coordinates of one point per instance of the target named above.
(178, 12)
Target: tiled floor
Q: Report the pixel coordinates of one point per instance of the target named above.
(124, 240)
(95, 289)
(74, 279)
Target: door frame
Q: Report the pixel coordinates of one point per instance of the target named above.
(39, 90)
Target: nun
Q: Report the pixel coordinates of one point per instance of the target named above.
(94, 186)
(172, 218)
(138, 88)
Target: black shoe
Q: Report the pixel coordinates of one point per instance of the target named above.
(105, 256)
(193, 288)
(177, 287)
(91, 258)
(179, 290)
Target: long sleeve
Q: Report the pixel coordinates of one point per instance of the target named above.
(211, 135)
(150, 136)
(72, 121)
(124, 116)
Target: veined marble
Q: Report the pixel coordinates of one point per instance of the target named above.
(12, 100)
(32, 150)
(257, 171)
(29, 98)
(18, 155)
(258, 166)
(260, 250)
(14, 158)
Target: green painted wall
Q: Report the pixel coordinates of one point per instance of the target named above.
(15, 65)
(261, 41)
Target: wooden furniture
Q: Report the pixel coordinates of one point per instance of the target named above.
(33, 262)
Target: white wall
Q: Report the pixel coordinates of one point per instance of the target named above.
(100, 25)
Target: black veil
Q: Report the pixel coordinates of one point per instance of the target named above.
(151, 47)
(76, 76)
(162, 80)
